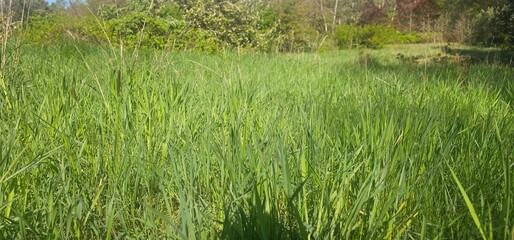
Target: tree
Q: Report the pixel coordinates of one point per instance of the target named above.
(491, 21)
(23, 9)
(494, 26)
(371, 13)
(415, 14)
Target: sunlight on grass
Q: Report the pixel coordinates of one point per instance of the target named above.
(344, 145)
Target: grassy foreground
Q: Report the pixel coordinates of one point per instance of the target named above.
(347, 145)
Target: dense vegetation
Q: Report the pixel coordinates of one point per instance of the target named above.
(97, 143)
(266, 26)
(135, 119)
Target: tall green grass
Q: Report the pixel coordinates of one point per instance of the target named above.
(100, 144)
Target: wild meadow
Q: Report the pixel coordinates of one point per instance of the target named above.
(398, 143)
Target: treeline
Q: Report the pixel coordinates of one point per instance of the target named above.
(269, 25)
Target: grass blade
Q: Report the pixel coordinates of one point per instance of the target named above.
(468, 203)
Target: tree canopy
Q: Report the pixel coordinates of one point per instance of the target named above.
(270, 25)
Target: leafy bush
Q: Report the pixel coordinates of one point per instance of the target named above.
(199, 40)
(54, 29)
(371, 36)
(207, 26)
(234, 24)
(494, 26)
(143, 30)
(409, 38)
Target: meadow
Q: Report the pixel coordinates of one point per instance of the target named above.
(99, 143)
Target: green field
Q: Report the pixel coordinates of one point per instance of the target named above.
(356, 144)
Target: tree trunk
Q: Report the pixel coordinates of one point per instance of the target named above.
(335, 17)
(323, 15)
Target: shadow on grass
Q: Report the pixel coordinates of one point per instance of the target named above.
(259, 219)
(483, 55)
(492, 67)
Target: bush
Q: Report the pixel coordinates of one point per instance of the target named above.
(371, 36)
(55, 29)
(199, 40)
(143, 30)
(493, 27)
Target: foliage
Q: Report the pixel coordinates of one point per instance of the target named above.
(199, 40)
(143, 23)
(485, 22)
(205, 26)
(143, 30)
(371, 14)
(294, 32)
(233, 24)
(494, 26)
(411, 15)
(23, 9)
(283, 26)
(371, 36)
(55, 29)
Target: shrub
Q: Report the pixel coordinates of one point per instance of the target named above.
(199, 40)
(143, 30)
(346, 36)
(54, 29)
(371, 36)
(494, 26)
